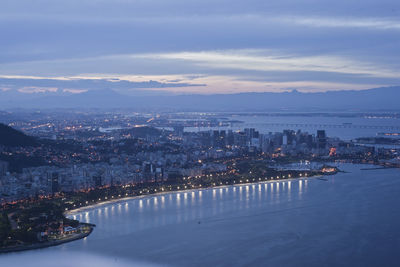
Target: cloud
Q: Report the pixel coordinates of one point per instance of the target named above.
(74, 91)
(35, 89)
(200, 46)
(267, 60)
(342, 22)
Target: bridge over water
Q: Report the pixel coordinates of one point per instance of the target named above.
(324, 126)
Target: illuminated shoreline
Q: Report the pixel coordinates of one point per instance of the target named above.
(148, 191)
(125, 199)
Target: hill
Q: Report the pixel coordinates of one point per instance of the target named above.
(12, 138)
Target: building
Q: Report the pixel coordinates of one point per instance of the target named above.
(321, 139)
(179, 130)
(3, 168)
(54, 183)
(97, 181)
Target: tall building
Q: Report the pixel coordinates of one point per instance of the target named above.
(215, 138)
(288, 136)
(205, 138)
(179, 129)
(97, 181)
(54, 183)
(3, 168)
(148, 172)
(222, 138)
(240, 139)
(309, 141)
(219, 138)
(321, 139)
(250, 133)
(230, 138)
(285, 140)
(159, 174)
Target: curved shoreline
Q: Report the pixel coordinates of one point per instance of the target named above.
(95, 205)
(125, 199)
(47, 244)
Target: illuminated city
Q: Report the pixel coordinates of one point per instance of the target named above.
(199, 133)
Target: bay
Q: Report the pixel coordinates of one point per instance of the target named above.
(351, 219)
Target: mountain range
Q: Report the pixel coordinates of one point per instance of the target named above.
(377, 99)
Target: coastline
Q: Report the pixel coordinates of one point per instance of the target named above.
(124, 199)
(47, 244)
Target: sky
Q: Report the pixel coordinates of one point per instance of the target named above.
(206, 47)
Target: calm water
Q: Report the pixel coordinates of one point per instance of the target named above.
(352, 219)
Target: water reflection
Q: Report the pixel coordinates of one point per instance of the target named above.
(185, 199)
(126, 207)
(300, 188)
(112, 210)
(184, 206)
(178, 199)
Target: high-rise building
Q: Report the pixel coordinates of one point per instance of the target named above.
(3, 168)
(179, 129)
(97, 181)
(205, 138)
(159, 174)
(54, 183)
(148, 171)
(215, 139)
(219, 138)
(285, 140)
(222, 138)
(321, 139)
(240, 139)
(290, 136)
(230, 138)
(250, 133)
